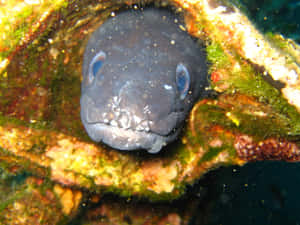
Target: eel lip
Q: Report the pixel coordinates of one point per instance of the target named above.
(127, 139)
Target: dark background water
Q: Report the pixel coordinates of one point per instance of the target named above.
(280, 16)
(260, 193)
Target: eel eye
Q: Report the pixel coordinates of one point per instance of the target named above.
(95, 65)
(182, 80)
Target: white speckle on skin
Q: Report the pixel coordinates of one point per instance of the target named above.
(124, 121)
(115, 103)
(151, 83)
(147, 109)
(137, 119)
(139, 128)
(145, 125)
(168, 87)
(113, 123)
(117, 112)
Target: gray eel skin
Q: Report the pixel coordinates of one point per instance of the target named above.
(141, 76)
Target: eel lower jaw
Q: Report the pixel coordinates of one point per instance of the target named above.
(127, 139)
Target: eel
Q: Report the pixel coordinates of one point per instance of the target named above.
(142, 73)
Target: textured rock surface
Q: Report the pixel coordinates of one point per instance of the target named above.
(249, 118)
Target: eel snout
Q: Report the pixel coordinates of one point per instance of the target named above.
(140, 113)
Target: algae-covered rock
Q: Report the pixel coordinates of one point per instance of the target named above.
(247, 118)
(28, 201)
(111, 210)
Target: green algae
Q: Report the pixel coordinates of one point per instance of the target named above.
(248, 81)
(285, 45)
(211, 154)
(41, 125)
(20, 164)
(252, 121)
(20, 20)
(15, 36)
(255, 85)
(28, 202)
(278, 42)
(10, 200)
(9, 183)
(216, 56)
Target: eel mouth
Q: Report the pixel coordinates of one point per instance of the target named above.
(127, 139)
(137, 117)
